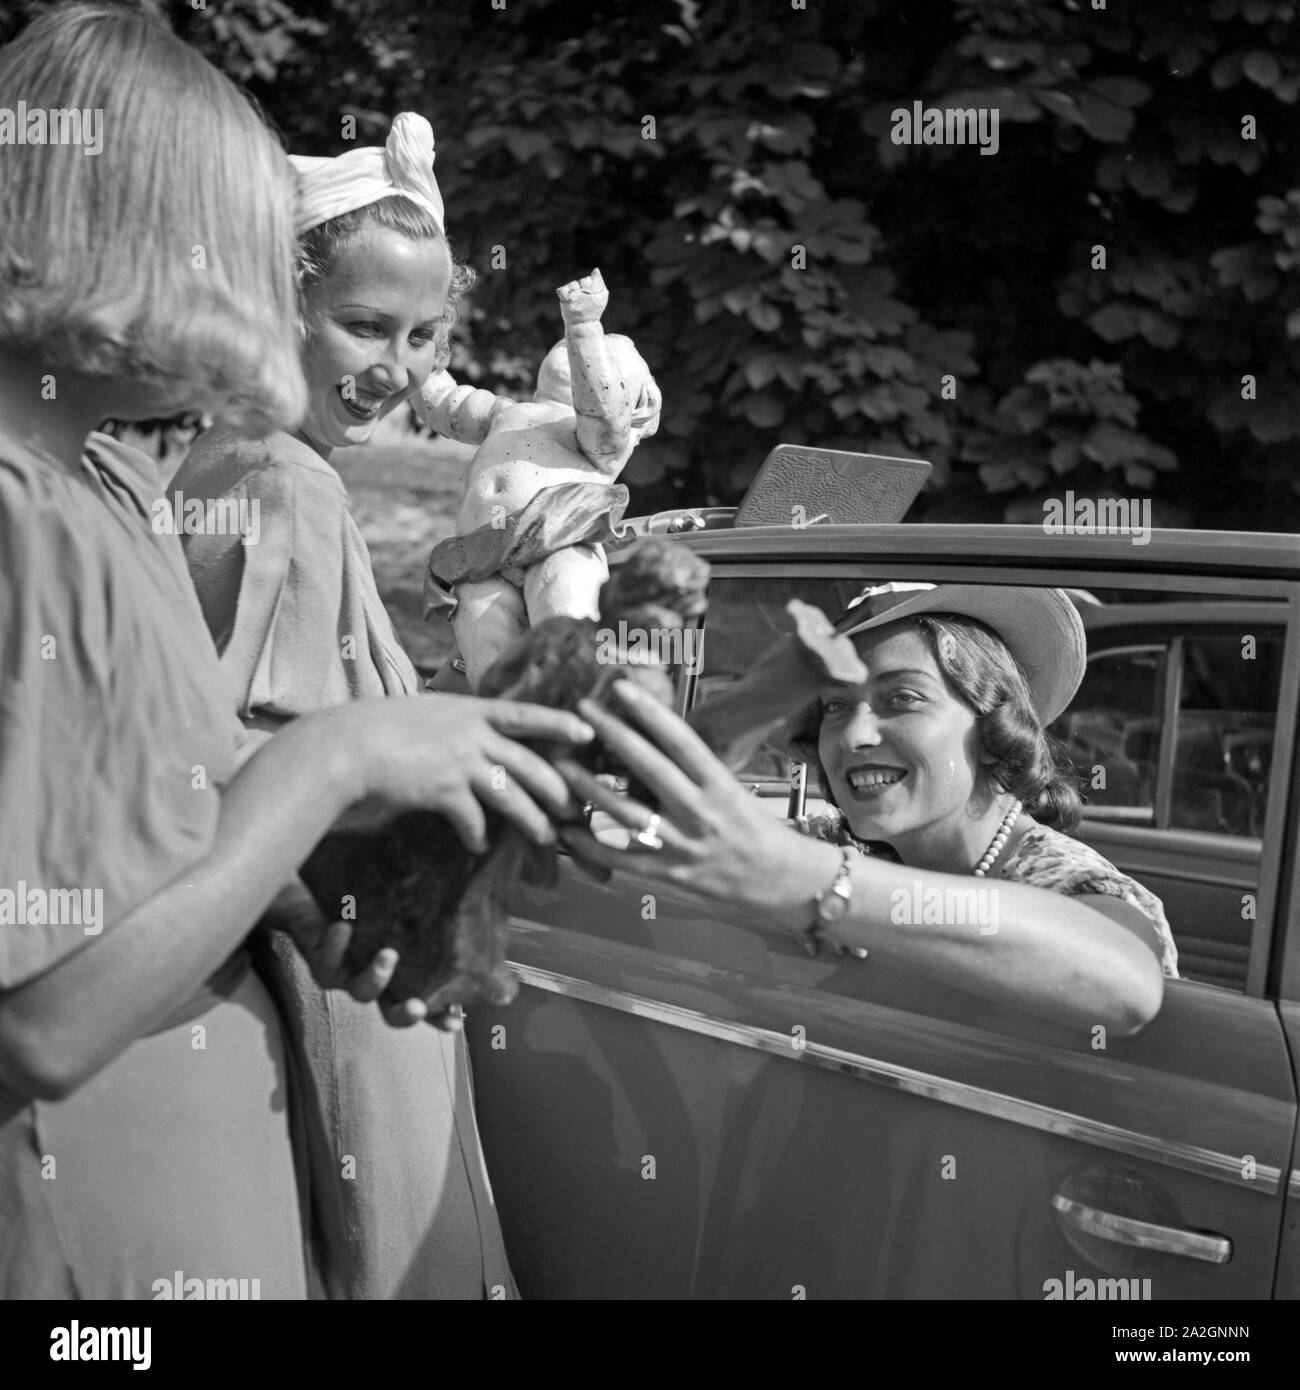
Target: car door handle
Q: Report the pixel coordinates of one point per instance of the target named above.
(1145, 1235)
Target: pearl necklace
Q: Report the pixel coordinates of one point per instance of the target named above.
(1000, 839)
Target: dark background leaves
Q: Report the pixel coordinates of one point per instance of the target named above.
(1121, 129)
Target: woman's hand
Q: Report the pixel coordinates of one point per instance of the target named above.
(718, 840)
(324, 945)
(457, 755)
(443, 753)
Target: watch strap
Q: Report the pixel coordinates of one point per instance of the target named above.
(841, 886)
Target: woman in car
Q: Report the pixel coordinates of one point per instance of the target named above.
(943, 774)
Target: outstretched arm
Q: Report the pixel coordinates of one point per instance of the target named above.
(439, 752)
(464, 413)
(600, 398)
(1080, 960)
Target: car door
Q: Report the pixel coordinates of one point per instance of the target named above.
(680, 1106)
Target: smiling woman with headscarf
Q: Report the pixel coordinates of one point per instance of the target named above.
(300, 626)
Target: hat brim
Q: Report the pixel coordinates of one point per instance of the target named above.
(1040, 627)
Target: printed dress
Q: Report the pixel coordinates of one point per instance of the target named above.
(300, 626)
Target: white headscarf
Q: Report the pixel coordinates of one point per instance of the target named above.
(327, 188)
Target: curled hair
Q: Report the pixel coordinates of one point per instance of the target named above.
(165, 259)
(1027, 762)
(319, 247)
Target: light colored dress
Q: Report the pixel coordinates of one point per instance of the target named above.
(175, 1158)
(300, 626)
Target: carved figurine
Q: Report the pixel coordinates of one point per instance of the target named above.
(541, 496)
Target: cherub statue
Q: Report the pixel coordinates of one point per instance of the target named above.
(541, 496)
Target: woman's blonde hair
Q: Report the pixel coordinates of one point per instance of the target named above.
(165, 260)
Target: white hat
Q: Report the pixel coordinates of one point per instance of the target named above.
(1041, 629)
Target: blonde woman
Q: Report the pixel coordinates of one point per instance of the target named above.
(144, 1096)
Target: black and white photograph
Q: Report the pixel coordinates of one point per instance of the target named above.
(650, 652)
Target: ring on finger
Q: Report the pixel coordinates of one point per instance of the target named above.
(648, 837)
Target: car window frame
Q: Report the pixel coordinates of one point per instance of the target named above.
(1127, 638)
(1108, 813)
(1274, 962)
(1175, 670)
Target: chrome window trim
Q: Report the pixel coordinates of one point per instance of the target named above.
(1280, 847)
(1127, 649)
(1169, 714)
(1142, 816)
(840, 562)
(1190, 1158)
(1238, 556)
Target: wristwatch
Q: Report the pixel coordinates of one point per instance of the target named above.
(830, 904)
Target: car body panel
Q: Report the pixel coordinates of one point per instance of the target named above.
(679, 1039)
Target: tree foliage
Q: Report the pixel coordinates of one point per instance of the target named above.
(1109, 304)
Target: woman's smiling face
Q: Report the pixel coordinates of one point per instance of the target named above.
(902, 751)
(372, 325)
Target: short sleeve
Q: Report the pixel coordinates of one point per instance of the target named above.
(289, 596)
(1048, 859)
(113, 737)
